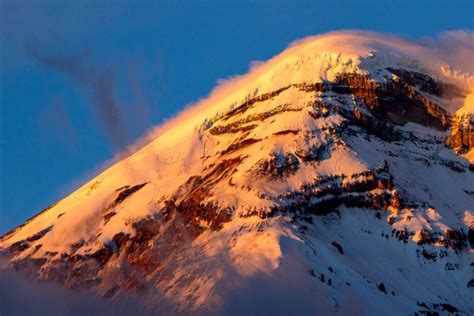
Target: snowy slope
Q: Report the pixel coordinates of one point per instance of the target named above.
(339, 169)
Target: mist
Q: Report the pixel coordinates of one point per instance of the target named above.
(21, 296)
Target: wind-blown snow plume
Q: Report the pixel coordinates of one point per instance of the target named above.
(454, 48)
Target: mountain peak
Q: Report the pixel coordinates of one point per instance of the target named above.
(335, 153)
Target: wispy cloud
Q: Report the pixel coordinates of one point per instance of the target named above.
(455, 47)
(98, 84)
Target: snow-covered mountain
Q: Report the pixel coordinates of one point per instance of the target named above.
(337, 177)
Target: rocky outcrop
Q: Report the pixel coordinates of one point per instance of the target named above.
(125, 193)
(429, 85)
(239, 144)
(279, 165)
(396, 101)
(338, 247)
(455, 239)
(470, 237)
(190, 197)
(22, 245)
(372, 189)
(461, 138)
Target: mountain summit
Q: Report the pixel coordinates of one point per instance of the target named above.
(337, 177)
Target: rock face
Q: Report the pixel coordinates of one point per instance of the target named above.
(349, 173)
(462, 133)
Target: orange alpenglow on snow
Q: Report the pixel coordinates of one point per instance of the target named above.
(336, 170)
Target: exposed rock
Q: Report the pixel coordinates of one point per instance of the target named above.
(429, 255)
(425, 237)
(338, 247)
(381, 288)
(462, 133)
(126, 193)
(287, 131)
(455, 239)
(239, 145)
(470, 237)
(427, 84)
(19, 246)
(108, 216)
(396, 102)
(279, 165)
(39, 234)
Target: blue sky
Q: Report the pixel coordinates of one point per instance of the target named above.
(81, 79)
